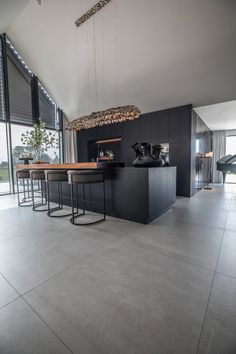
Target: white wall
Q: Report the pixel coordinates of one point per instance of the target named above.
(9, 11)
(153, 53)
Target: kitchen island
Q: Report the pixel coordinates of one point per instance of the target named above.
(136, 194)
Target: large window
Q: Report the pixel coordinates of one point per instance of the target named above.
(17, 148)
(4, 164)
(231, 149)
(23, 100)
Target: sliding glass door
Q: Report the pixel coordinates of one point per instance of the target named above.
(17, 148)
(4, 162)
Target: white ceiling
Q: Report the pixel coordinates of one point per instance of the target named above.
(154, 53)
(221, 116)
(9, 10)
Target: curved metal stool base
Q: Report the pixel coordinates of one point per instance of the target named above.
(72, 220)
(24, 202)
(52, 210)
(37, 206)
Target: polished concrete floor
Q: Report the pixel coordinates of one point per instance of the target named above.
(120, 287)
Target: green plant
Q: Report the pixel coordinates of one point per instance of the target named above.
(39, 140)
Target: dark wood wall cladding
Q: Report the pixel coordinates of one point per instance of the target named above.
(201, 141)
(173, 126)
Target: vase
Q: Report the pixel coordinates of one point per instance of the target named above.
(38, 155)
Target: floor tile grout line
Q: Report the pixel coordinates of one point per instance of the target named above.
(10, 302)
(46, 324)
(175, 258)
(78, 262)
(12, 286)
(35, 312)
(226, 275)
(213, 279)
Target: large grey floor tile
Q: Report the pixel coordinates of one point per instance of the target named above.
(231, 221)
(10, 221)
(22, 332)
(7, 293)
(209, 203)
(21, 222)
(126, 300)
(197, 216)
(219, 332)
(233, 205)
(26, 261)
(191, 243)
(227, 259)
(8, 202)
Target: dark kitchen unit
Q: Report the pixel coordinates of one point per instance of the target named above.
(108, 149)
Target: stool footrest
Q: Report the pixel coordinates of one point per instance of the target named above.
(76, 216)
(53, 210)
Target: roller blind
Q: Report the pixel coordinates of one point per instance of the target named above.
(19, 83)
(47, 109)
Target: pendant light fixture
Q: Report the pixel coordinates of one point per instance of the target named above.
(100, 118)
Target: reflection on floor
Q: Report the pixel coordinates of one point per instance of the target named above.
(121, 287)
(4, 187)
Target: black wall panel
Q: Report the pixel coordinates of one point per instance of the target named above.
(159, 126)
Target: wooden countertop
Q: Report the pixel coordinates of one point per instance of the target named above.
(71, 166)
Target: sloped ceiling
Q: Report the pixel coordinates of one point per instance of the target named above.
(152, 53)
(9, 10)
(221, 116)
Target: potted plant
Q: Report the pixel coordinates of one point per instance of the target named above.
(39, 140)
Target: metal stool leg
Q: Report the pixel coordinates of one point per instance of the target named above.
(51, 211)
(18, 192)
(36, 207)
(26, 201)
(77, 215)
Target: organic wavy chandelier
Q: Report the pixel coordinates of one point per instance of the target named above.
(109, 116)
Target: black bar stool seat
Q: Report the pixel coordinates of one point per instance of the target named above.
(38, 175)
(83, 177)
(59, 176)
(24, 175)
(56, 175)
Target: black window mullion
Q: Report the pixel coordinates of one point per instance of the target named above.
(7, 112)
(35, 99)
(5, 78)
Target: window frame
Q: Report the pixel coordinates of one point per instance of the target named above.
(5, 44)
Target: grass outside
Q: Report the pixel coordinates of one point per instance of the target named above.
(4, 174)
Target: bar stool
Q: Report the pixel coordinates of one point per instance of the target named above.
(56, 176)
(38, 176)
(76, 178)
(24, 175)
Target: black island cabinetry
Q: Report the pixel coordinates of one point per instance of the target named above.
(135, 194)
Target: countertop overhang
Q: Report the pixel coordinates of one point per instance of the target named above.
(71, 166)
